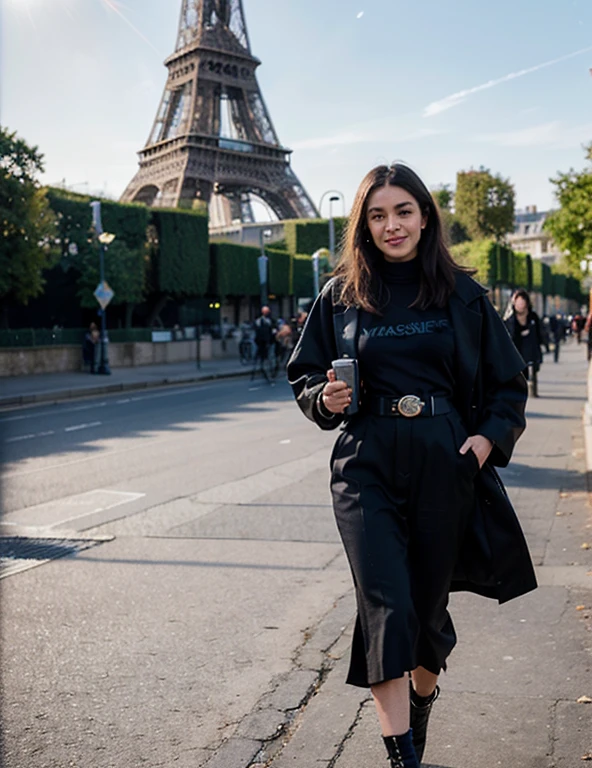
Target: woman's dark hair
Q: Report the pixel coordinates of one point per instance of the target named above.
(522, 294)
(359, 258)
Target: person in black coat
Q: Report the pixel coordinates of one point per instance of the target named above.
(418, 503)
(524, 326)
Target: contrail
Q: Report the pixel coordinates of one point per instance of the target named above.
(457, 98)
(112, 5)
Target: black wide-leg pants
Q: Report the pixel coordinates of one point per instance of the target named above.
(402, 495)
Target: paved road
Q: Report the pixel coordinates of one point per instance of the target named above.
(150, 648)
(217, 614)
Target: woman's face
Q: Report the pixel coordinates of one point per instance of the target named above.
(395, 222)
(520, 304)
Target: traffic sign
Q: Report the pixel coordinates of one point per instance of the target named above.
(104, 293)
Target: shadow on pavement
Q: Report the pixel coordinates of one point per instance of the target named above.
(525, 476)
(54, 430)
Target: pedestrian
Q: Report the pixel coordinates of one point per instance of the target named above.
(412, 472)
(284, 340)
(588, 333)
(91, 348)
(557, 330)
(524, 326)
(264, 337)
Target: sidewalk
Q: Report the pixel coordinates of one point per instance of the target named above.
(53, 387)
(518, 692)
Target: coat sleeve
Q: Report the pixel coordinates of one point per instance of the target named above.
(311, 359)
(504, 388)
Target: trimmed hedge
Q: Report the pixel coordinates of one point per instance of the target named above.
(479, 255)
(541, 278)
(280, 267)
(523, 271)
(125, 258)
(180, 260)
(235, 271)
(499, 265)
(302, 282)
(308, 235)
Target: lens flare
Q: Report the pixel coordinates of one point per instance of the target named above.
(115, 7)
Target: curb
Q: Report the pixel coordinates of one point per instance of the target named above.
(58, 395)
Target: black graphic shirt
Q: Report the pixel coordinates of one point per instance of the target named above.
(406, 351)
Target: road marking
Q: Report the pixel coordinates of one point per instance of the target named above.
(76, 427)
(169, 393)
(20, 437)
(93, 458)
(49, 515)
(285, 442)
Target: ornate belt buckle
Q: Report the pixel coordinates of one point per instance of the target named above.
(410, 406)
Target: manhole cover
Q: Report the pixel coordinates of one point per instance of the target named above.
(18, 553)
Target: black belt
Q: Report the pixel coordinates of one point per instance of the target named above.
(408, 406)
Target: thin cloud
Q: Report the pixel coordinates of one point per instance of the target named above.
(347, 139)
(554, 135)
(457, 98)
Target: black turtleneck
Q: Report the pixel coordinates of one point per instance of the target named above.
(406, 351)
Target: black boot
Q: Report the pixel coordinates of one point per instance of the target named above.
(420, 713)
(400, 751)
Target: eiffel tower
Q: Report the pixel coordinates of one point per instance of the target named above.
(212, 133)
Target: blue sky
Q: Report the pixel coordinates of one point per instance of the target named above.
(349, 84)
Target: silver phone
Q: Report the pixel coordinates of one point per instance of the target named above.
(346, 369)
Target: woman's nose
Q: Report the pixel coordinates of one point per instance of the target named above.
(393, 224)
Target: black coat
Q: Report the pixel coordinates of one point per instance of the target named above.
(490, 395)
(529, 346)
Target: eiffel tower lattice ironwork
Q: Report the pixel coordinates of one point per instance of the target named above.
(212, 132)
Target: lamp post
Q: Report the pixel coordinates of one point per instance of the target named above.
(332, 199)
(103, 292)
(315, 272)
(262, 263)
(335, 196)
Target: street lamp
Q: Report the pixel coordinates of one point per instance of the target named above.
(335, 196)
(332, 199)
(315, 272)
(103, 292)
(262, 262)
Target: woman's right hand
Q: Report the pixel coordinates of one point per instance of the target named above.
(336, 394)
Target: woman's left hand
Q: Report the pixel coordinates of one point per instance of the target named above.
(481, 447)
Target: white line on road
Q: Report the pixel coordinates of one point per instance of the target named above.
(285, 442)
(29, 437)
(76, 427)
(169, 393)
(128, 496)
(115, 452)
(81, 506)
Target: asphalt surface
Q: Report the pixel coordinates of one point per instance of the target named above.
(205, 618)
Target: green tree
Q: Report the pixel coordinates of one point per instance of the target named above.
(454, 230)
(444, 196)
(125, 272)
(484, 204)
(571, 225)
(26, 223)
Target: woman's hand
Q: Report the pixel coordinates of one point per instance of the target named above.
(481, 447)
(336, 394)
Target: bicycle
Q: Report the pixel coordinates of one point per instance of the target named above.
(269, 363)
(246, 350)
